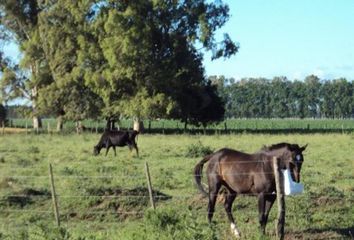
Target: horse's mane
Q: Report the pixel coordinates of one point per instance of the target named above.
(277, 146)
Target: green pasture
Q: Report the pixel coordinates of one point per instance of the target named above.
(106, 197)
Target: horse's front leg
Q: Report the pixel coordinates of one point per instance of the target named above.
(229, 199)
(265, 203)
(107, 149)
(261, 212)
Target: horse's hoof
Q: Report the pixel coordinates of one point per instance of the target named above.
(235, 231)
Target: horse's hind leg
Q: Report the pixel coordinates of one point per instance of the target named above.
(270, 199)
(115, 152)
(229, 199)
(133, 145)
(214, 187)
(136, 149)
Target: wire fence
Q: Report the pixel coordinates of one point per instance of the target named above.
(66, 211)
(165, 126)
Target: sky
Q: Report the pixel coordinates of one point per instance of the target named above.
(292, 38)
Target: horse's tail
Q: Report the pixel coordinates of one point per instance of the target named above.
(198, 173)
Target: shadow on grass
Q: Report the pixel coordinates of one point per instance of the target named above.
(327, 233)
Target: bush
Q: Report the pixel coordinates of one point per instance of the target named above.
(198, 150)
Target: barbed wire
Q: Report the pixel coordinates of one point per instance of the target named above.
(350, 198)
(135, 176)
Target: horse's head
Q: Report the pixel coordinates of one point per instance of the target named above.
(294, 159)
(96, 150)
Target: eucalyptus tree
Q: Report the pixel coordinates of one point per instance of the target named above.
(327, 99)
(342, 96)
(154, 46)
(297, 99)
(117, 50)
(312, 96)
(19, 21)
(280, 97)
(63, 26)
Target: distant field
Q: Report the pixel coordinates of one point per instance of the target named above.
(227, 126)
(106, 197)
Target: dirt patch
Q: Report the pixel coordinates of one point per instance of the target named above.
(7, 182)
(13, 130)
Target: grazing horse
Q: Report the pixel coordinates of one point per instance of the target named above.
(116, 138)
(243, 173)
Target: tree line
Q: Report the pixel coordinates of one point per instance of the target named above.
(142, 59)
(111, 59)
(282, 98)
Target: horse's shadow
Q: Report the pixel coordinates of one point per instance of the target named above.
(347, 233)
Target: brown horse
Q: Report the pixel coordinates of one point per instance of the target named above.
(242, 173)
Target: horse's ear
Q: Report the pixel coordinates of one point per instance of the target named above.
(303, 148)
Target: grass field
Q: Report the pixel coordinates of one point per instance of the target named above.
(107, 198)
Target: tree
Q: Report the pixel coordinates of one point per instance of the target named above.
(312, 99)
(62, 32)
(152, 45)
(114, 50)
(279, 97)
(19, 20)
(297, 99)
(342, 96)
(327, 100)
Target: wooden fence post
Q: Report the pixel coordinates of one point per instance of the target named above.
(279, 182)
(149, 185)
(54, 196)
(3, 127)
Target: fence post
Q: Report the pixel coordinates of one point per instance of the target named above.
(279, 182)
(26, 127)
(48, 127)
(54, 196)
(3, 127)
(149, 185)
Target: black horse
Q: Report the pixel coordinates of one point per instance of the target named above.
(117, 138)
(242, 173)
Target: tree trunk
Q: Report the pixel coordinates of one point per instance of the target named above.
(59, 123)
(79, 127)
(138, 125)
(110, 125)
(37, 121)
